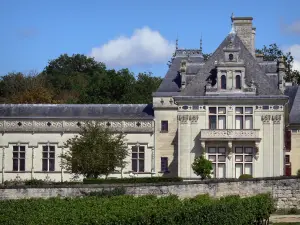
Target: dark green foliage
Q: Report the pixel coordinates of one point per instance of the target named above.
(298, 173)
(245, 176)
(202, 167)
(108, 193)
(96, 151)
(133, 180)
(137, 210)
(34, 182)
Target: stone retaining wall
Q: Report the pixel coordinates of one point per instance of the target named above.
(286, 191)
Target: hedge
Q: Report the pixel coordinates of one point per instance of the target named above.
(133, 180)
(137, 210)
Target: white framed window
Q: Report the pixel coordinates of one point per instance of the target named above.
(217, 117)
(19, 158)
(244, 118)
(48, 161)
(217, 155)
(243, 161)
(138, 158)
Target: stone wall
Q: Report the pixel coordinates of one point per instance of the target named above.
(286, 191)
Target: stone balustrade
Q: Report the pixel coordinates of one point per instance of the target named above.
(229, 134)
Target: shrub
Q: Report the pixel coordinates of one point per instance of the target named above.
(108, 193)
(34, 182)
(298, 173)
(137, 210)
(202, 167)
(245, 177)
(132, 180)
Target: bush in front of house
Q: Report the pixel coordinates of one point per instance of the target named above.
(137, 210)
(245, 176)
(134, 180)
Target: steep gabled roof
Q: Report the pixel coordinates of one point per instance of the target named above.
(294, 104)
(265, 85)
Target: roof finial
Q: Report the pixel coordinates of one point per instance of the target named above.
(232, 16)
(232, 28)
(201, 44)
(177, 42)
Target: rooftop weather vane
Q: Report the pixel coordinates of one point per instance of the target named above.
(177, 42)
(201, 44)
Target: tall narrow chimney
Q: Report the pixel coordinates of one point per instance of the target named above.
(245, 31)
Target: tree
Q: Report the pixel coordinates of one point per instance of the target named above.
(273, 52)
(202, 167)
(96, 151)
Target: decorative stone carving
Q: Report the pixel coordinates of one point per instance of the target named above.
(183, 118)
(266, 118)
(229, 149)
(276, 119)
(62, 126)
(193, 118)
(230, 134)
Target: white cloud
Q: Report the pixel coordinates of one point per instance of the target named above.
(293, 28)
(295, 50)
(145, 46)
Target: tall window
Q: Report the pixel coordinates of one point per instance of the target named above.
(138, 158)
(164, 164)
(238, 82)
(164, 126)
(218, 158)
(223, 82)
(48, 158)
(18, 158)
(243, 118)
(217, 118)
(243, 161)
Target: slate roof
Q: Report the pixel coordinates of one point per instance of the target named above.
(294, 104)
(97, 111)
(269, 66)
(265, 85)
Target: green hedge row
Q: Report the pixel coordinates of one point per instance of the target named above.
(137, 210)
(133, 180)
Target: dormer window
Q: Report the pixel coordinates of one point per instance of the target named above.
(238, 82)
(230, 57)
(223, 82)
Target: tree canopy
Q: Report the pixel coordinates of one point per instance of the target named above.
(78, 79)
(95, 151)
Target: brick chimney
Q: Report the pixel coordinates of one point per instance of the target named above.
(246, 32)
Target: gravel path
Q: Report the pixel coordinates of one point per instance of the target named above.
(284, 218)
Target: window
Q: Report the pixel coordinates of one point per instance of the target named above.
(138, 158)
(48, 161)
(243, 161)
(164, 164)
(238, 82)
(287, 159)
(218, 158)
(164, 126)
(217, 118)
(223, 82)
(230, 57)
(288, 140)
(18, 158)
(243, 118)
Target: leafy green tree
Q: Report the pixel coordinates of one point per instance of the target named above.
(96, 151)
(202, 167)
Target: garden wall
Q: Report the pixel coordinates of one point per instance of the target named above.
(285, 191)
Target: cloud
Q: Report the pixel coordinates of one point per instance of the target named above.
(145, 46)
(293, 28)
(295, 50)
(27, 32)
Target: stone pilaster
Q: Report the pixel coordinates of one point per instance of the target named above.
(3, 163)
(267, 156)
(61, 169)
(184, 144)
(277, 145)
(194, 131)
(32, 162)
(152, 160)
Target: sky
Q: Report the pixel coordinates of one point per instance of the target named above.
(135, 34)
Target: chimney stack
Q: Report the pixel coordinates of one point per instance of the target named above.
(245, 31)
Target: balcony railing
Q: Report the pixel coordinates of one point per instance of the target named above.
(230, 134)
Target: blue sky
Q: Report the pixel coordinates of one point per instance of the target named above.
(35, 31)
